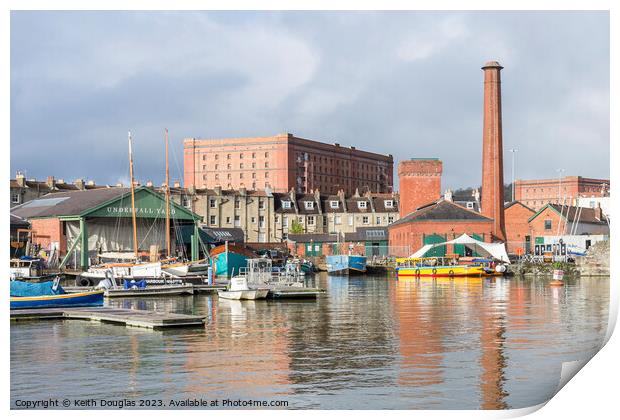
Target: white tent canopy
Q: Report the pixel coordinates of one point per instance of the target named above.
(493, 250)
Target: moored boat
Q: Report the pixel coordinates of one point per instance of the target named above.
(346, 264)
(239, 290)
(50, 295)
(440, 271)
(228, 259)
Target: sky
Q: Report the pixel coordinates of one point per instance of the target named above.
(402, 83)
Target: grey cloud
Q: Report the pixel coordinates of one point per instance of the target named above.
(405, 83)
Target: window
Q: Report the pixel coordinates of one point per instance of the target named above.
(470, 205)
(204, 157)
(253, 175)
(284, 221)
(266, 154)
(276, 219)
(253, 165)
(241, 166)
(212, 203)
(266, 174)
(266, 164)
(286, 204)
(217, 156)
(229, 176)
(261, 221)
(216, 166)
(253, 155)
(212, 219)
(337, 220)
(390, 219)
(309, 205)
(228, 156)
(204, 167)
(362, 204)
(378, 220)
(350, 220)
(389, 204)
(365, 220)
(253, 219)
(229, 166)
(241, 175)
(227, 220)
(240, 155)
(15, 198)
(333, 204)
(217, 176)
(237, 203)
(261, 204)
(311, 220)
(547, 224)
(237, 221)
(186, 202)
(324, 221)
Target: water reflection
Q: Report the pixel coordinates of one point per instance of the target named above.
(371, 342)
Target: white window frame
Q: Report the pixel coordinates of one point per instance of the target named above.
(365, 220)
(212, 203)
(470, 205)
(389, 204)
(337, 220)
(334, 204)
(309, 205)
(285, 221)
(350, 220)
(362, 204)
(286, 204)
(310, 220)
(213, 220)
(237, 221)
(16, 198)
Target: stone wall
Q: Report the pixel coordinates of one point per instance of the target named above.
(596, 261)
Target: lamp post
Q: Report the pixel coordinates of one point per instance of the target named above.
(513, 151)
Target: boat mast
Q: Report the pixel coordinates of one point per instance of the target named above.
(167, 200)
(133, 201)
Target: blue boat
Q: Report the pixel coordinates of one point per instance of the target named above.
(229, 259)
(346, 264)
(49, 294)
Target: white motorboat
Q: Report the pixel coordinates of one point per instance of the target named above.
(239, 290)
(125, 270)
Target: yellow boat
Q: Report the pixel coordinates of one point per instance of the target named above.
(440, 271)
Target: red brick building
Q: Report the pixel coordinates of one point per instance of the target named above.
(518, 235)
(554, 219)
(420, 183)
(439, 221)
(537, 193)
(284, 162)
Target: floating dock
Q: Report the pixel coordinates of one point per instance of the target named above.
(127, 317)
(290, 292)
(154, 290)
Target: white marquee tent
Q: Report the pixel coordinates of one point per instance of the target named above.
(493, 250)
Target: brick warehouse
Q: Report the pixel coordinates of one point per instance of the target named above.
(537, 193)
(284, 162)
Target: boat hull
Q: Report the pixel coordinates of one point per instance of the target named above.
(243, 294)
(346, 264)
(94, 298)
(455, 271)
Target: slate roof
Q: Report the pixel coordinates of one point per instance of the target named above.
(67, 203)
(573, 213)
(17, 221)
(442, 211)
(361, 235)
(512, 203)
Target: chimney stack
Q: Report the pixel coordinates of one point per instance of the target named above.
(598, 212)
(492, 203)
(79, 183)
(20, 178)
(50, 182)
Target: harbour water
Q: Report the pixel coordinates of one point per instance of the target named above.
(369, 343)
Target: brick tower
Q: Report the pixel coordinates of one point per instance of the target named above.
(420, 183)
(492, 203)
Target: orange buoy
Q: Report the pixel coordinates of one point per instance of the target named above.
(556, 283)
(558, 275)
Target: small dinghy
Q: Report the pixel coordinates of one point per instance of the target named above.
(50, 294)
(239, 290)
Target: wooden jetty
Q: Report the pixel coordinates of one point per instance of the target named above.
(127, 317)
(155, 290)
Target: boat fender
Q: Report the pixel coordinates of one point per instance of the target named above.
(451, 273)
(434, 271)
(83, 281)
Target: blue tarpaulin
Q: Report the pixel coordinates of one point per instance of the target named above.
(24, 289)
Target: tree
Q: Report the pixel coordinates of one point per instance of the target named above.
(296, 227)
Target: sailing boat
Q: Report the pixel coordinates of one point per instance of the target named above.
(171, 265)
(131, 269)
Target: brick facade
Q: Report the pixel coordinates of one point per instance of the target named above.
(49, 230)
(537, 193)
(284, 162)
(411, 235)
(420, 183)
(492, 202)
(517, 227)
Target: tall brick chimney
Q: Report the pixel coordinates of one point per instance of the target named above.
(420, 183)
(492, 203)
